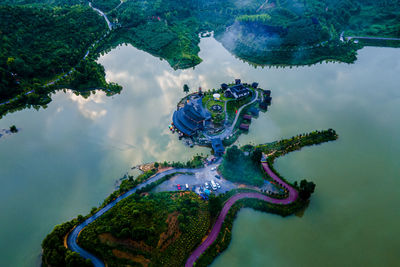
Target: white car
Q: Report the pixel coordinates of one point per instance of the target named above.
(213, 168)
(213, 185)
(218, 185)
(187, 186)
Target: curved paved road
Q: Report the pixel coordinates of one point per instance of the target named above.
(293, 194)
(73, 236)
(372, 38)
(101, 13)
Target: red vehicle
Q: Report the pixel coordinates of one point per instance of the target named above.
(179, 186)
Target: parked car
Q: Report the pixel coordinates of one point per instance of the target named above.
(206, 185)
(213, 185)
(217, 176)
(179, 186)
(187, 186)
(213, 168)
(218, 185)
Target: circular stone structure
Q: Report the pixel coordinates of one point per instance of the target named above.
(216, 108)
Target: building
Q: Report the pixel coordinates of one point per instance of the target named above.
(217, 146)
(191, 118)
(244, 127)
(266, 99)
(264, 105)
(237, 91)
(254, 111)
(247, 117)
(224, 86)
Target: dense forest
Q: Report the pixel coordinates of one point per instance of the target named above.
(38, 43)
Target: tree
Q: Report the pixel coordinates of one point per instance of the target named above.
(233, 154)
(306, 189)
(74, 259)
(214, 205)
(13, 129)
(10, 61)
(256, 156)
(186, 88)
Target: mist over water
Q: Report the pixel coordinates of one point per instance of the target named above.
(68, 157)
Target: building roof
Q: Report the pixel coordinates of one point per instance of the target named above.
(181, 124)
(244, 126)
(190, 118)
(267, 92)
(239, 90)
(247, 117)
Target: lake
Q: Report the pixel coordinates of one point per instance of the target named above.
(67, 158)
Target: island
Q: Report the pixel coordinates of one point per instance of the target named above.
(216, 118)
(177, 214)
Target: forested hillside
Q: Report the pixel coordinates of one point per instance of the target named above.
(306, 32)
(42, 39)
(39, 43)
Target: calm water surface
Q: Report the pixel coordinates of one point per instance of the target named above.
(67, 158)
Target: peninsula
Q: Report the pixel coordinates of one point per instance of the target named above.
(141, 224)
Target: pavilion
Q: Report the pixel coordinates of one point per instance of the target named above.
(191, 118)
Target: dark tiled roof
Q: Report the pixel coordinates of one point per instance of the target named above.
(180, 125)
(239, 90)
(189, 119)
(247, 117)
(244, 126)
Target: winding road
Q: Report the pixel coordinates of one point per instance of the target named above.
(293, 194)
(73, 236)
(372, 38)
(101, 13)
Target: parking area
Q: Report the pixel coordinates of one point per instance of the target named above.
(196, 182)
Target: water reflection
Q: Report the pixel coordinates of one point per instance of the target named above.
(66, 158)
